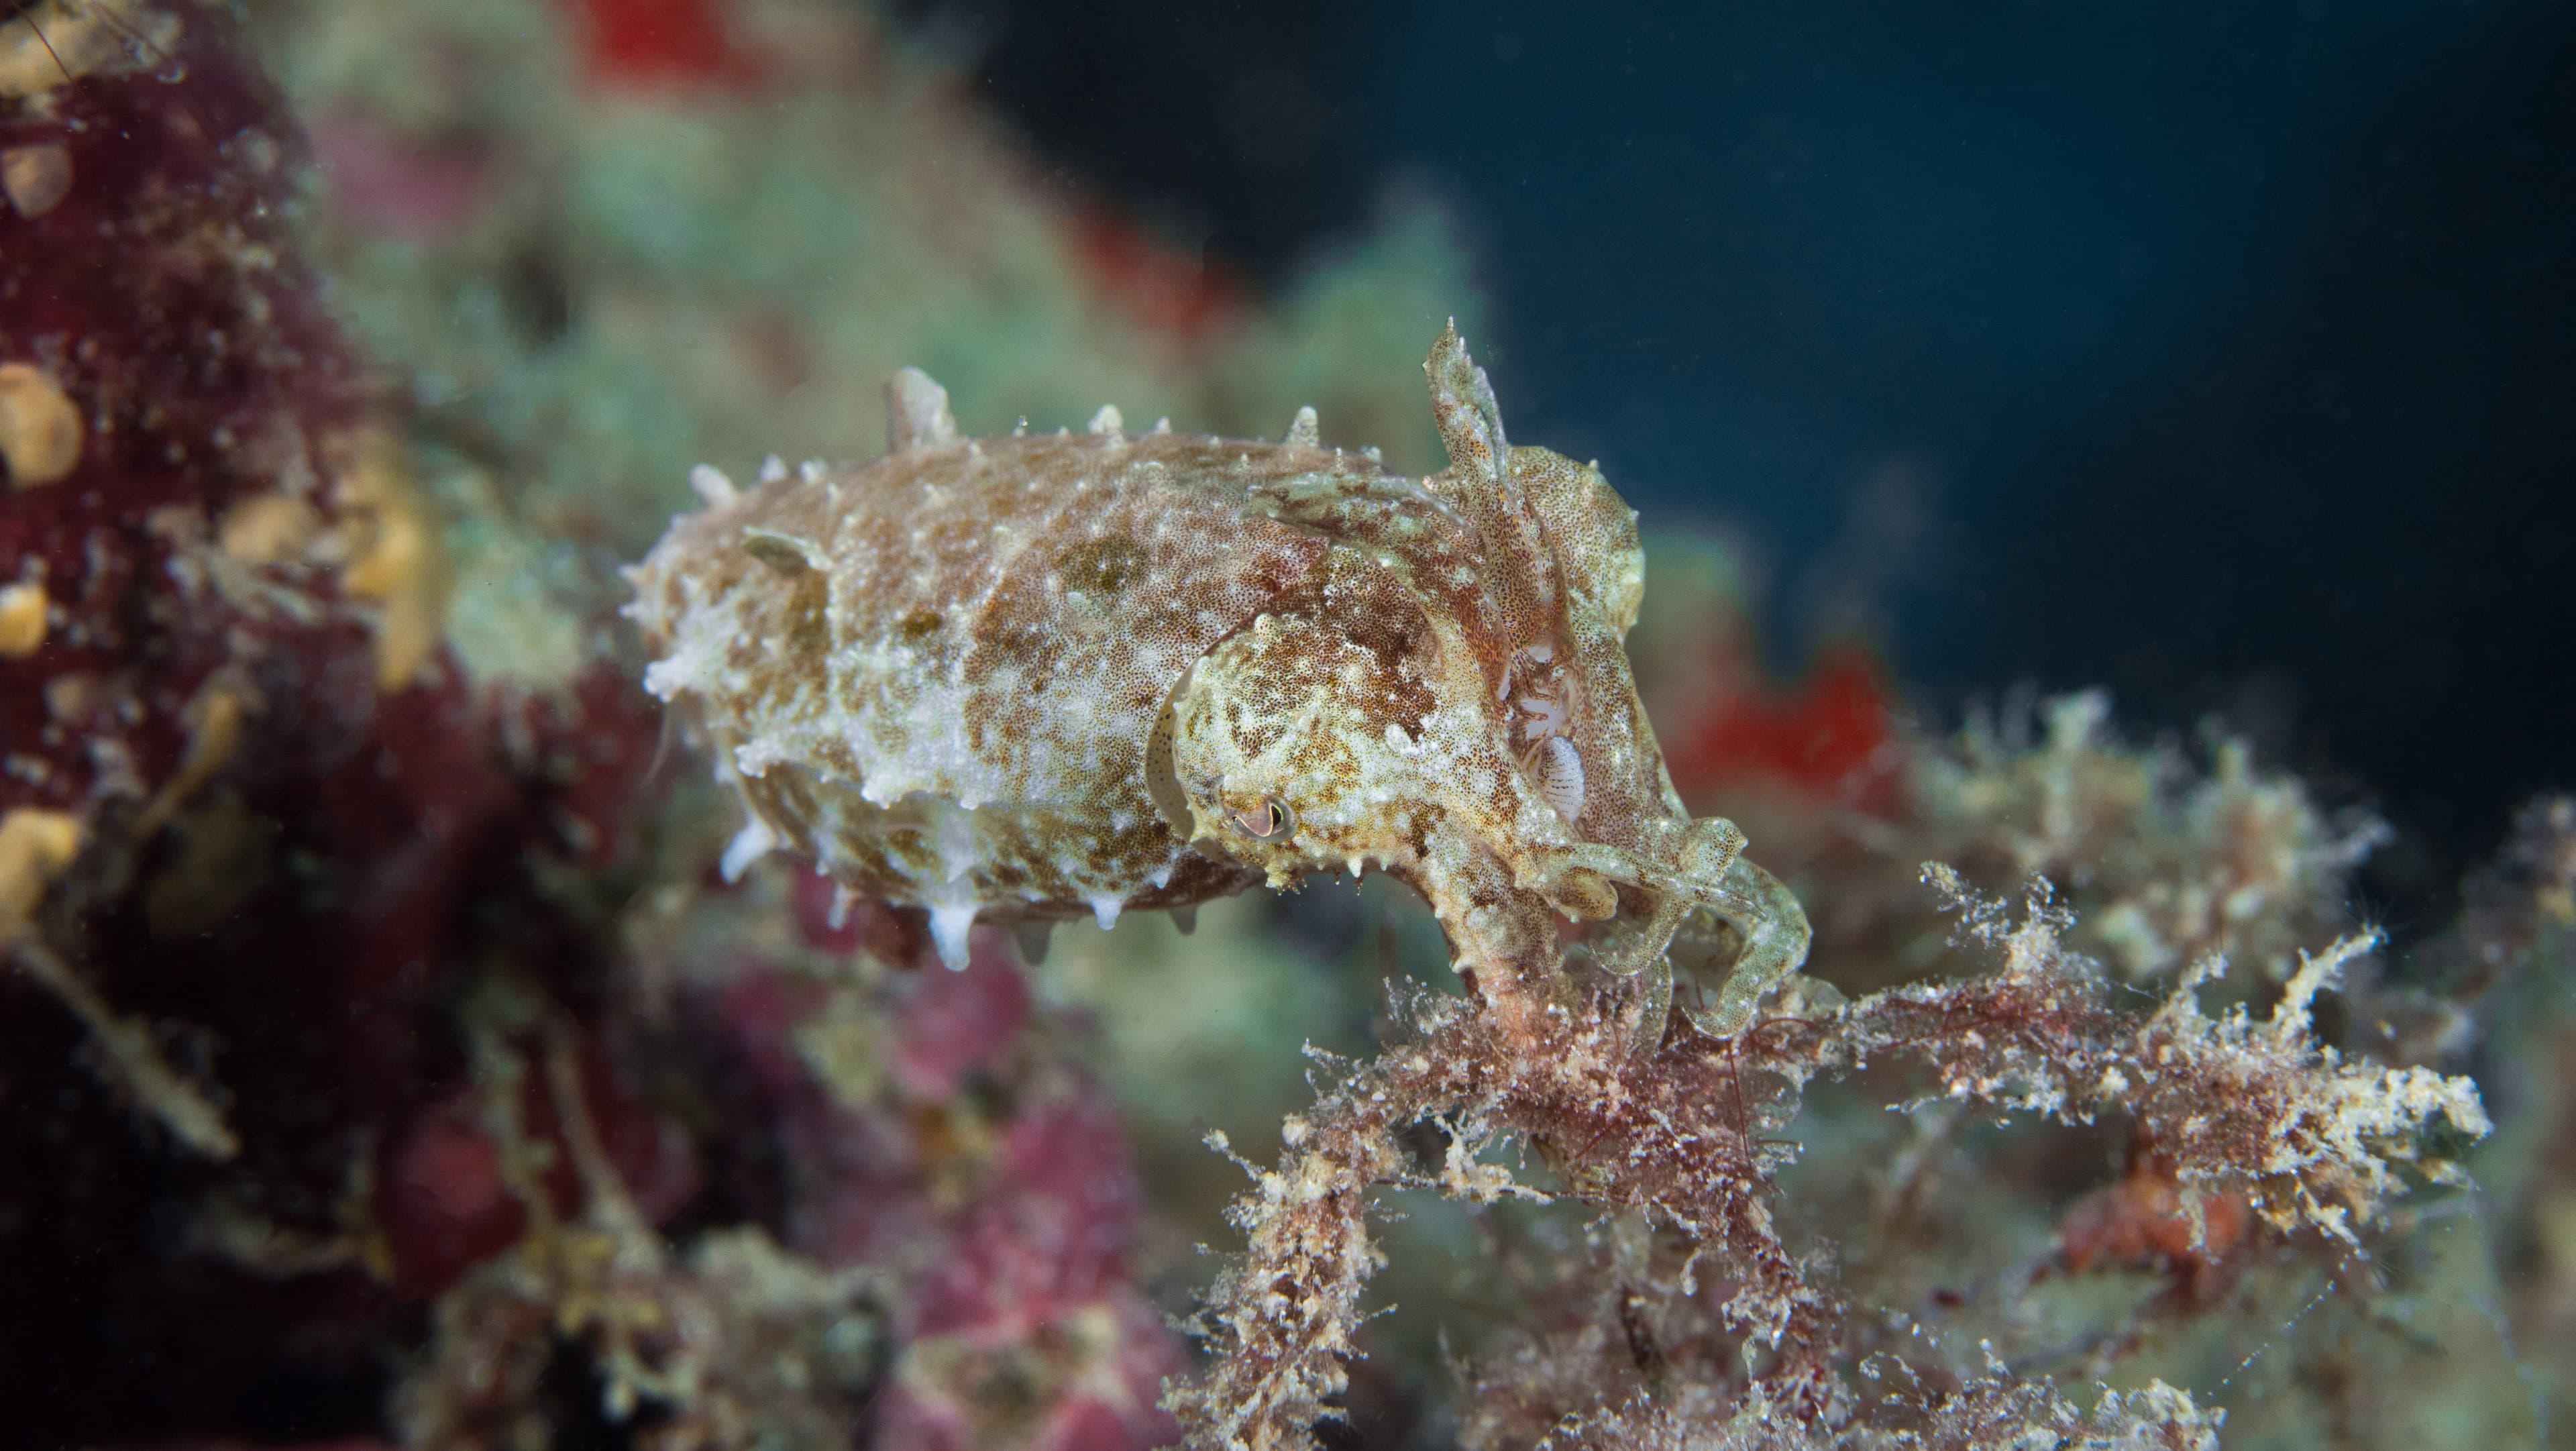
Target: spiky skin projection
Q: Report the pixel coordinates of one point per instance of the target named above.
(1037, 677)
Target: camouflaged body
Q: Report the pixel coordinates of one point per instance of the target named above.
(935, 674)
(1044, 676)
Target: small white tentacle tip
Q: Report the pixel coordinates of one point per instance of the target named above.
(1108, 421)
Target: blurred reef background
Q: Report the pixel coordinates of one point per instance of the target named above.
(2217, 357)
(383, 1060)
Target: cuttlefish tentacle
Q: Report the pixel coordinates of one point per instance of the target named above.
(1774, 927)
(1712, 872)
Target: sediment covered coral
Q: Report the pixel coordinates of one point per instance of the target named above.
(1690, 1136)
(2167, 865)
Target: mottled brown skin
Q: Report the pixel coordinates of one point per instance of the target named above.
(1032, 677)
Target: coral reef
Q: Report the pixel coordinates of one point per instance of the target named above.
(2236, 865)
(1687, 1135)
(252, 815)
(387, 1055)
(326, 782)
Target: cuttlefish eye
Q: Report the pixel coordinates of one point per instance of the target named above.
(1266, 821)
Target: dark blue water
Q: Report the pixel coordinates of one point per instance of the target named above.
(2222, 354)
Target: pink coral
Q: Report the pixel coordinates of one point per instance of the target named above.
(1005, 1213)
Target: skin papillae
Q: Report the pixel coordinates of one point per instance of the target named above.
(1034, 677)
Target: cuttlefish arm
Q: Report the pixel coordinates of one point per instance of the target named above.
(1711, 872)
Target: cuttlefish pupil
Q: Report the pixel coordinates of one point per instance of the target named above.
(1266, 821)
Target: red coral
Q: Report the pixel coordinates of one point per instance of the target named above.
(162, 296)
(1047, 1237)
(445, 1204)
(2143, 1222)
(653, 45)
(828, 923)
(1007, 1214)
(952, 1024)
(1157, 287)
(586, 754)
(1832, 736)
(442, 1202)
(1030, 1281)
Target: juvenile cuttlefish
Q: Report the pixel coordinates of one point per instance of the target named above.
(1029, 678)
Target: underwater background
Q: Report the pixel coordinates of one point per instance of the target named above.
(2115, 455)
(2217, 355)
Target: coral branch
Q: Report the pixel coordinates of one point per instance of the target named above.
(1677, 1134)
(2235, 1103)
(1672, 1135)
(131, 1060)
(2169, 865)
